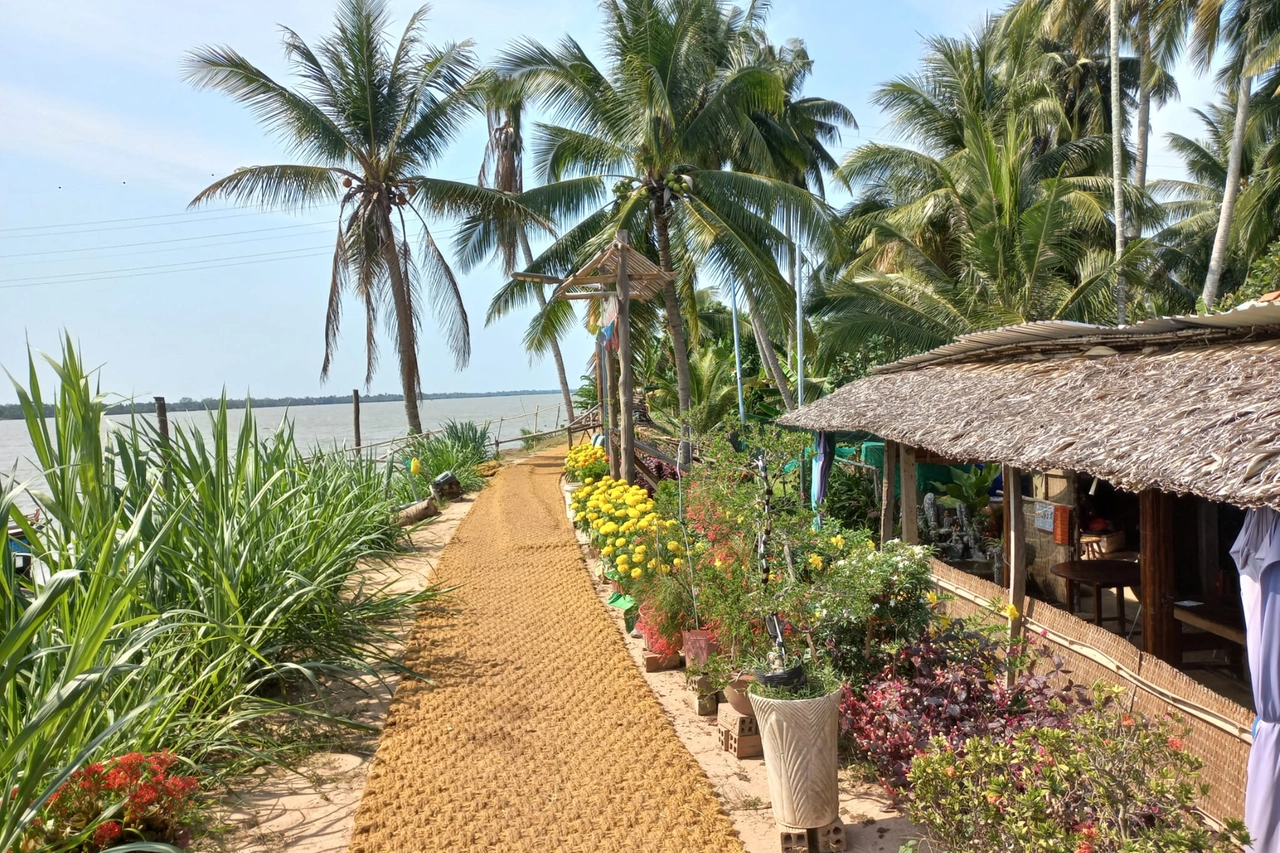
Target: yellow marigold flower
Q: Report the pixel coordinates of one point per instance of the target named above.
(643, 524)
(633, 513)
(637, 573)
(621, 543)
(677, 562)
(673, 545)
(606, 551)
(622, 560)
(589, 480)
(664, 569)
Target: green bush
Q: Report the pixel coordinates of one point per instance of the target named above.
(1107, 782)
(460, 447)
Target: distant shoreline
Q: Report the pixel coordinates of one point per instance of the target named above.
(13, 411)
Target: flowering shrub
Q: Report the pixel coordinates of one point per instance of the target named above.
(135, 793)
(633, 539)
(950, 686)
(586, 463)
(1104, 783)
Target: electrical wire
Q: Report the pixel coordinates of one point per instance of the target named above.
(56, 260)
(129, 219)
(131, 227)
(65, 278)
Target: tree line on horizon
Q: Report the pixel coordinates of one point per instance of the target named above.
(13, 411)
(1007, 203)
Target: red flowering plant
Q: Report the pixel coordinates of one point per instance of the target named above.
(126, 799)
(1104, 783)
(950, 685)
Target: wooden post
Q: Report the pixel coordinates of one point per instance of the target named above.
(1159, 628)
(626, 384)
(1207, 539)
(611, 400)
(1015, 550)
(910, 501)
(886, 491)
(355, 413)
(162, 418)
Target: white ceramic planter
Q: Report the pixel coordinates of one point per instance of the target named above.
(799, 737)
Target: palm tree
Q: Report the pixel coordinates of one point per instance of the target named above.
(1249, 30)
(642, 144)
(367, 119)
(503, 169)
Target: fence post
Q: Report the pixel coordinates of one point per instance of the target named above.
(162, 418)
(887, 491)
(1015, 553)
(355, 412)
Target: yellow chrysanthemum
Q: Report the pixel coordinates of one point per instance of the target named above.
(637, 573)
(621, 543)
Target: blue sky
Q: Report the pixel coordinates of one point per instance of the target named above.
(100, 128)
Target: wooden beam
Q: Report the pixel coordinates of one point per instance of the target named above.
(1015, 549)
(595, 294)
(626, 385)
(1159, 627)
(611, 365)
(1207, 541)
(910, 501)
(535, 276)
(887, 491)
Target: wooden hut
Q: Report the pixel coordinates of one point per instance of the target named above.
(1178, 417)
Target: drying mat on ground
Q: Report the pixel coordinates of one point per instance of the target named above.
(539, 734)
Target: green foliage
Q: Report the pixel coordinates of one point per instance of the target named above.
(460, 447)
(187, 590)
(851, 500)
(1106, 782)
(970, 489)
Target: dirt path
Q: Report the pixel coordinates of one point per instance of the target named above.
(538, 734)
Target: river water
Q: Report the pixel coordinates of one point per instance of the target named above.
(329, 426)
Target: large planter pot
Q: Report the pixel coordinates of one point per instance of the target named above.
(699, 646)
(799, 737)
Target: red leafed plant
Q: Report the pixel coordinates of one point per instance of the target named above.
(140, 799)
(653, 639)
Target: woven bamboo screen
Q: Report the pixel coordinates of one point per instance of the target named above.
(1219, 733)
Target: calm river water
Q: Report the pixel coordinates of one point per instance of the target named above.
(326, 426)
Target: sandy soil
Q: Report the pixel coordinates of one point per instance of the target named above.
(872, 826)
(312, 810)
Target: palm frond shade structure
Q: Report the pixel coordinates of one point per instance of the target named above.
(634, 277)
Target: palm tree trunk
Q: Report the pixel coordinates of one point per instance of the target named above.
(1142, 139)
(671, 304)
(406, 335)
(555, 344)
(1218, 257)
(1117, 159)
(767, 353)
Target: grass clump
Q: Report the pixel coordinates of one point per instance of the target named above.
(460, 447)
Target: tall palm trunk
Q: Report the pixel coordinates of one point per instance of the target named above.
(1117, 159)
(406, 335)
(671, 304)
(1218, 257)
(767, 353)
(1142, 139)
(555, 344)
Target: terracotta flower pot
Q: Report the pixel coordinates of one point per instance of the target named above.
(735, 693)
(799, 737)
(699, 646)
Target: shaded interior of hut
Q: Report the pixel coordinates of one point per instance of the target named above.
(1096, 572)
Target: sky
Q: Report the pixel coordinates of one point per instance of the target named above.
(103, 144)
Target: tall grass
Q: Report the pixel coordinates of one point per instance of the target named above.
(190, 593)
(460, 447)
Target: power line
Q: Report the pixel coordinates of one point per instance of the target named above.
(161, 272)
(130, 219)
(174, 240)
(12, 282)
(131, 227)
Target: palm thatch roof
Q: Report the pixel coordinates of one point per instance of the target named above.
(1184, 404)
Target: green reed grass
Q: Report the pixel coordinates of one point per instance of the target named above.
(195, 593)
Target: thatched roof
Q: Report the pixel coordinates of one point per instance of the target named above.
(1189, 405)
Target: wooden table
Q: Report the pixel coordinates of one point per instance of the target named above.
(1099, 574)
(1216, 618)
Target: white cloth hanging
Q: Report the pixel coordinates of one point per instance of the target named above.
(1257, 555)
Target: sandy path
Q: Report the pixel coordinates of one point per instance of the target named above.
(538, 733)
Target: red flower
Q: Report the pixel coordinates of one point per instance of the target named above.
(1175, 743)
(107, 834)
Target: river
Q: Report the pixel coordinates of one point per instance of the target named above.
(327, 426)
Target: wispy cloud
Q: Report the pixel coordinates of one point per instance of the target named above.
(86, 139)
